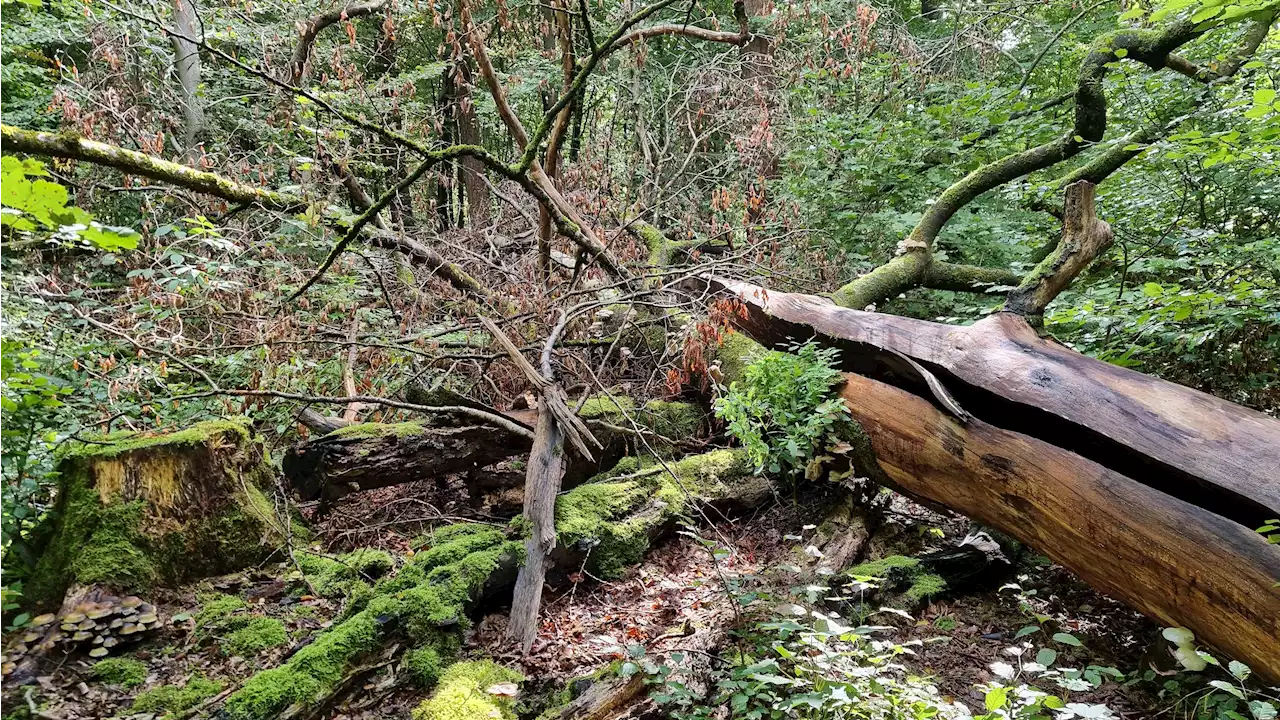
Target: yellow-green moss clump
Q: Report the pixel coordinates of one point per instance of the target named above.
(464, 693)
(615, 513)
(346, 575)
(904, 575)
(374, 429)
(672, 420)
(122, 672)
(170, 700)
(258, 634)
(135, 511)
(425, 602)
(217, 611)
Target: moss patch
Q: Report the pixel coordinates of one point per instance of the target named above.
(257, 635)
(424, 666)
(614, 514)
(217, 610)
(426, 601)
(905, 575)
(464, 693)
(122, 672)
(139, 510)
(376, 430)
(170, 700)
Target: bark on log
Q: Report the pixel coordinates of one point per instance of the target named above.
(374, 455)
(1175, 562)
(1188, 444)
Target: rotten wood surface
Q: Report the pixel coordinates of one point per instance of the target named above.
(1201, 449)
(1175, 562)
(332, 466)
(542, 484)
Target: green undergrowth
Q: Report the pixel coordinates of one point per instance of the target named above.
(171, 700)
(465, 693)
(425, 602)
(217, 611)
(122, 672)
(904, 575)
(258, 634)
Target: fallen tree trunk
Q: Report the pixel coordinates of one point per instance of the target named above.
(1177, 563)
(368, 456)
(1148, 490)
(373, 455)
(602, 526)
(1209, 452)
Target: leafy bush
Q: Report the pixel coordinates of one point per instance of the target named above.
(784, 407)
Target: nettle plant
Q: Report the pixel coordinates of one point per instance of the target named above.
(785, 407)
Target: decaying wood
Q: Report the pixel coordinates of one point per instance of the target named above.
(556, 425)
(317, 423)
(332, 466)
(542, 484)
(1177, 563)
(1188, 444)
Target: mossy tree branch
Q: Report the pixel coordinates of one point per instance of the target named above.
(75, 147)
(908, 270)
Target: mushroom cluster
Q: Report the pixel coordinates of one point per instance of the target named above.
(100, 626)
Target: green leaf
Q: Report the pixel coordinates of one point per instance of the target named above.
(996, 698)
(1264, 96)
(1227, 687)
(1046, 656)
(1067, 639)
(1023, 632)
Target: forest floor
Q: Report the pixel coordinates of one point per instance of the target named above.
(589, 623)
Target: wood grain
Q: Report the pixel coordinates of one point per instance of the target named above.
(1175, 562)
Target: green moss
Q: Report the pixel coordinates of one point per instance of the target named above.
(116, 444)
(257, 635)
(170, 700)
(375, 430)
(151, 536)
(340, 577)
(424, 666)
(124, 672)
(735, 353)
(906, 575)
(216, 612)
(426, 601)
(606, 407)
(673, 420)
(613, 515)
(464, 693)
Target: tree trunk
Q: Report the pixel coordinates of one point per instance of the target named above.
(473, 170)
(186, 64)
(1148, 490)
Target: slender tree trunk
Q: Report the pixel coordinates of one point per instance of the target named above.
(477, 191)
(187, 65)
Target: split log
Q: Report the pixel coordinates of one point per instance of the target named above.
(1175, 562)
(1188, 444)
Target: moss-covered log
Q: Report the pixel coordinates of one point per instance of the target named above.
(373, 455)
(135, 511)
(607, 523)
